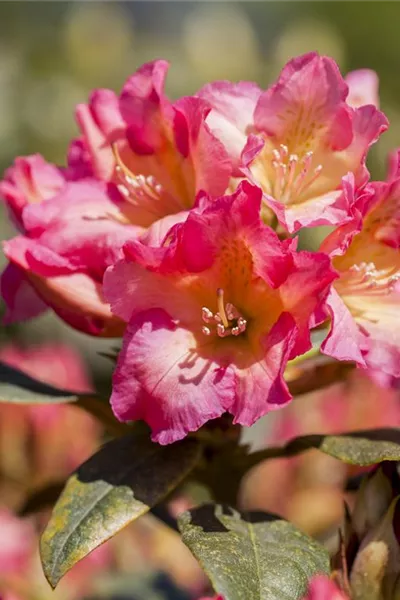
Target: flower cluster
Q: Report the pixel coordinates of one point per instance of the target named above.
(174, 225)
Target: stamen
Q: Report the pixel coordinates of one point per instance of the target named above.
(364, 278)
(292, 172)
(136, 188)
(221, 330)
(227, 321)
(221, 308)
(206, 314)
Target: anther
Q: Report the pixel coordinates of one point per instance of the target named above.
(221, 330)
(206, 314)
(206, 330)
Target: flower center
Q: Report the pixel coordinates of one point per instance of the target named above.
(137, 189)
(292, 172)
(227, 321)
(365, 278)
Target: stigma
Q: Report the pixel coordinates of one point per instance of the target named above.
(292, 172)
(226, 321)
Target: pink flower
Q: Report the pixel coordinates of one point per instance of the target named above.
(364, 303)
(67, 243)
(160, 154)
(323, 588)
(214, 314)
(303, 140)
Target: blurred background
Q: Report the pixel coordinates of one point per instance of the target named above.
(52, 54)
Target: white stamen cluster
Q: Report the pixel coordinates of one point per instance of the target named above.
(292, 173)
(227, 320)
(137, 187)
(366, 278)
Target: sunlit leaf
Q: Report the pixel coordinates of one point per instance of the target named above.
(252, 556)
(362, 448)
(117, 485)
(17, 387)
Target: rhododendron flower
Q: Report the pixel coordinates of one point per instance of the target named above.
(214, 314)
(159, 154)
(322, 588)
(365, 301)
(303, 140)
(71, 232)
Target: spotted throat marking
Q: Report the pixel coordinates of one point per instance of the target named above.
(227, 321)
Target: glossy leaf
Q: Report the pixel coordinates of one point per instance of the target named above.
(362, 448)
(252, 556)
(19, 388)
(117, 485)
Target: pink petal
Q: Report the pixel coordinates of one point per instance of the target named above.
(209, 159)
(345, 340)
(98, 146)
(263, 381)
(30, 180)
(232, 112)
(310, 79)
(161, 379)
(142, 105)
(363, 88)
(21, 300)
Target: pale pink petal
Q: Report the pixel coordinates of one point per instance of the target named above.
(345, 340)
(162, 379)
(98, 146)
(363, 88)
(231, 117)
(263, 380)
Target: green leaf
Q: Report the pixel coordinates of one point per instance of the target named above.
(115, 486)
(252, 556)
(362, 448)
(19, 388)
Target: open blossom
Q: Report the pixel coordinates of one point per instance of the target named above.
(302, 140)
(71, 231)
(365, 301)
(159, 154)
(214, 314)
(323, 588)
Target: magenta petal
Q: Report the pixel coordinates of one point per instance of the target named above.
(20, 298)
(161, 379)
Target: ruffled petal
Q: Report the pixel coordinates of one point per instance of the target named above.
(161, 379)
